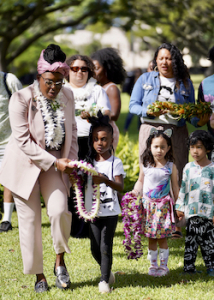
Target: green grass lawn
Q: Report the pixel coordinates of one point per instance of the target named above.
(132, 281)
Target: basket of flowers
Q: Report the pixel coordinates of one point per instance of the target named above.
(179, 111)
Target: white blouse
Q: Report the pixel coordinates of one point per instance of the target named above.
(84, 97)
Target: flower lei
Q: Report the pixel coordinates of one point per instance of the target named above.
(54, 132)
(132, 226)
(82, 93)
(76, 180)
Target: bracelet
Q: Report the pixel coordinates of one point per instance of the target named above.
(55, 165)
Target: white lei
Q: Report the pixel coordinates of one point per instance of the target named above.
(83, 93)
(54, 132)
(76, 181)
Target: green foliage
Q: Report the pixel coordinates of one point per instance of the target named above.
(91, 48)
(186, 23)
(127, 151)
(22, 23)
(27, 61)
(99, 27)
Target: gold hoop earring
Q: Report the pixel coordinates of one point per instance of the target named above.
(156, 68)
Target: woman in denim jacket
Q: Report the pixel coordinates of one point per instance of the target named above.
(170, 82)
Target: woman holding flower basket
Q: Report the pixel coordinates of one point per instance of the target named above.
(170, 84)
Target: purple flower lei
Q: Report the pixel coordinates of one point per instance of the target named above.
(132, 226)
(76, 180)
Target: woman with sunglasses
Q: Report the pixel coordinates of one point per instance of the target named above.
(87, 93)
(43, 141)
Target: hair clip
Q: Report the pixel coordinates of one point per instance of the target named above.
(168, 133)
(153, 130)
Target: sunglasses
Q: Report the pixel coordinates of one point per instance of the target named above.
(76, 69)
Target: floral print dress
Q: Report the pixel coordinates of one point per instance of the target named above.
(157, 212)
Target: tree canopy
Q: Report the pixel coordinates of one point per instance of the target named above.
(186, 23)
(23, 22)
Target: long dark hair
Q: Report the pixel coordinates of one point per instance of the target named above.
(101, 121)
(180, 70)
(147, 157)
(111, 61)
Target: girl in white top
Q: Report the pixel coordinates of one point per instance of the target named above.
(110, 178)
(156, 172)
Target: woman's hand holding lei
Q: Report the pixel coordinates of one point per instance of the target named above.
(62, 164)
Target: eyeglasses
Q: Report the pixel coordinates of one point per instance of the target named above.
(50, 83)
(76, 69)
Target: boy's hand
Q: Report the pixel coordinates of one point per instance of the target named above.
(180, 215)
(213, 219)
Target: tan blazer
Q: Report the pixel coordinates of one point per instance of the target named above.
(25, 154)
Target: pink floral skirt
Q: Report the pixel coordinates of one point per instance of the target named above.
(157, 223)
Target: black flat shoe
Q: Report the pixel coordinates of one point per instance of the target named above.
(41, 287)
(5, 226)
(62, 277)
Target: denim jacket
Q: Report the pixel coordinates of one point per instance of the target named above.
(146, 90)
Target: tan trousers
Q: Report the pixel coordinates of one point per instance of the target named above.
(179, 143)
(55, 196)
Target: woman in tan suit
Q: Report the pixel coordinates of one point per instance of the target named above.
(43, 141)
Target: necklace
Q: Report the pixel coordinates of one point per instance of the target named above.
(53, 117)
(132, 226)
(76, 181)
(82, 93)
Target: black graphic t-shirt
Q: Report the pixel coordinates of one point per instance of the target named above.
(166, 92)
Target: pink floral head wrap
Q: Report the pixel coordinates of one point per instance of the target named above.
(44, 66)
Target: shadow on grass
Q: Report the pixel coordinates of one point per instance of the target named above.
(174, 277)
(82, 284)
(144, 280)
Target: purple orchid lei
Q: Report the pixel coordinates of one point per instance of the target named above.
(132, 226)
(76, 181)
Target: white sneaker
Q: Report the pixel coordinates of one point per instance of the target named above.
(153, 271)
(111, 278)
(104, 287)
(162, 271)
